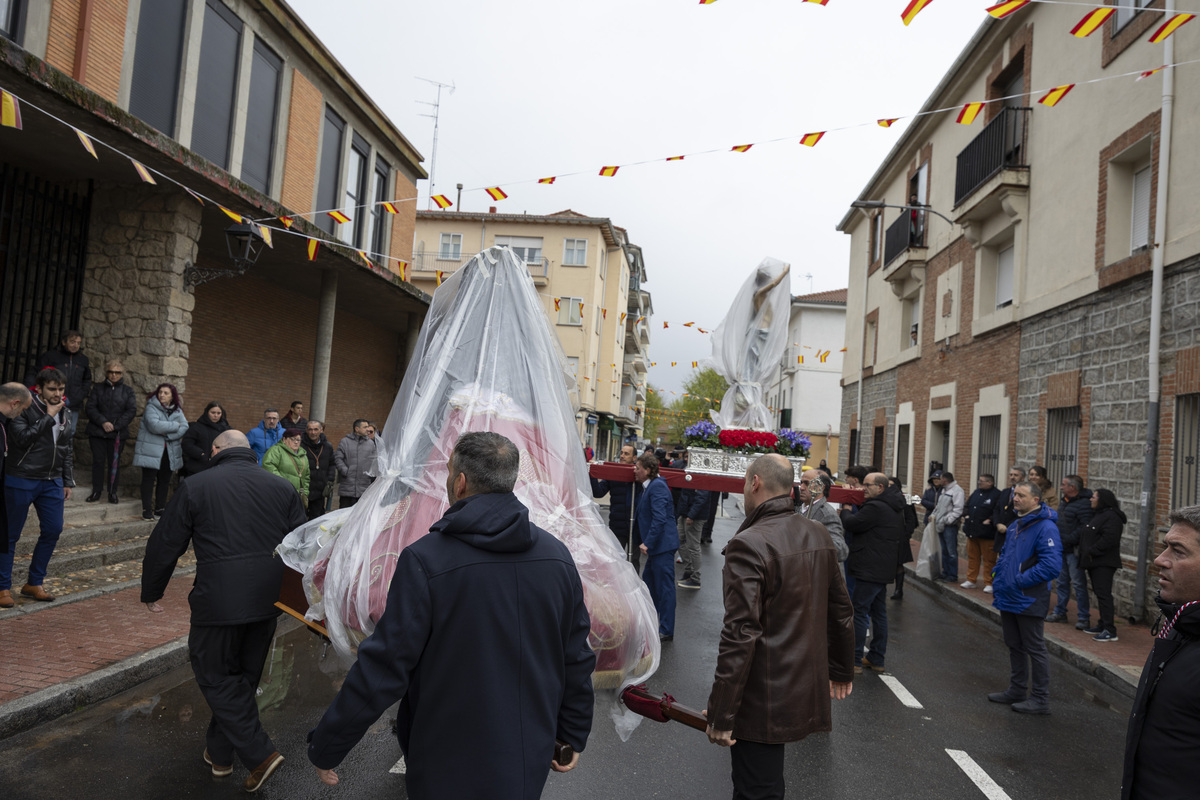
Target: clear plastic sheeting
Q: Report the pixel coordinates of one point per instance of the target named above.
(748, 344)
(486, 360)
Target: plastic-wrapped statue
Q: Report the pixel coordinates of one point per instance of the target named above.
(486, 360)
(748, 344)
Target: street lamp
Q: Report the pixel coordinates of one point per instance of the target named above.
(867, 204)
(244, 243)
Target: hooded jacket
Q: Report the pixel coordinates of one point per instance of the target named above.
(1032, 557)
(234, 514)
(1072, 516)
(197, 443)
(1100, 539)
(39, 448)
(113, 403)
(875, 535)
(484, 642)
(1164, 726)
(161, 429)
(292, 467)
(262, 438)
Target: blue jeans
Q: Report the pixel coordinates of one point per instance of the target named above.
(870, 600)
(47, 499)
(949, 541)
(659, 576)
(1073, 575)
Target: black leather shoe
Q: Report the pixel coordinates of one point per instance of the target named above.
(93, 497)
(112, 498)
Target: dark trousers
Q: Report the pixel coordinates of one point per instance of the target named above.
(103, 476)
(869, 600)
(659, 576)
(634, 552)
(317, 507)
(1027, 654)
(1102, 583)
(714, 500)
(162, 476)
(345, 501)
(228, 662)
(949, 542)
(757, 770)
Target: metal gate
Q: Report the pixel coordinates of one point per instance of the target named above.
(43, 248)
(1185, 484)
(989, 446)
(1062, 443)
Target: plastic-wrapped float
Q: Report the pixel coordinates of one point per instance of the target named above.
(486, 359)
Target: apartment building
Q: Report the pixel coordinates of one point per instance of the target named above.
(1010, 323)
(239, 102)
(589, 277)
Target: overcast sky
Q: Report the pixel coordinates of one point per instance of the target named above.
(549, 87)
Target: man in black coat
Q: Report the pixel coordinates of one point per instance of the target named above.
(622, 499)
(14, 398)
(321, 469)
(110, 409)
(979, 525)
(483, 642)
(1006, 513)
(1164, 727)
(67, 359)
(1074, 512)
(234, 514)
(877, 530)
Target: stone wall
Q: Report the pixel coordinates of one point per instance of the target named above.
(879, 392)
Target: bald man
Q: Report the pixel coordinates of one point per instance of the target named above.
(234, 514)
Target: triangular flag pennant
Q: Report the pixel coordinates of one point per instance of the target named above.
(688, 324)
(665, 326)
(1002, 10)
(818, 2)
(547, 180)
(581, 314)
(675, 158)
(811, 139)
(673, 363)
(887, 123)
(441, 200)
(969, 112)
(439, 274)
(799, 359)
(496, 193)
(604, 313)
(403, 270)
(1091, 22)
(707, 2)
(1150, 72)
(556, 302)
(231, 214)
(86, 141)
(695, 364)
(701, 329)
(338, 216)
(914, 8)
(195, 196)
(390, 208)
(363, 253)
(653, 364)
(1169, 27)
(623, 315)
(608, 172)
(10, 112)
(1050, 100)
(741, 148)
(265, 232)
(313, 246)
(824, 356)
(288, 222)
(145, 175)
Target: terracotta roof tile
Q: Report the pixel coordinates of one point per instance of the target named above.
(832, 296)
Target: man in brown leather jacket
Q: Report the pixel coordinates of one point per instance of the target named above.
(787, 645)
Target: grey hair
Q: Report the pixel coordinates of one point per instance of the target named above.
(1076, 481)
(1031, 487)
(488, 460)
(13, 391)
(1018, 469)
(1188, 515)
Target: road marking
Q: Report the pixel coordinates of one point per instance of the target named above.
(989, 787)
(904, 695)
(399, 768)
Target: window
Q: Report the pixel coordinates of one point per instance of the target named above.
(569, 312)
(1185, 483)
(785, 418)
(852, 455)
(217, 83)
(573, 367)
(330, 168)
(261, 112)
(903, 433)
(575, 252)
(1139, 225)
(910, 321)
(526, 248)
(1126, 11)
(939, 444)
(379, 215)
(1062, 443)
(11, 17)
(989, 446)
(450, 247)
(877, 447)
(356, 192)
(869, 346)
(154, 85)
(1004, 277)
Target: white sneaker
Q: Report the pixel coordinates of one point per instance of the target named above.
(988, 589)
(967, 584)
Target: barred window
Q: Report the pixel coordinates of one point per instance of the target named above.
(1185, 477)
(1062, 443)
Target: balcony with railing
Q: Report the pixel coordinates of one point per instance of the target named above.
(904, 247)
(996, 158)
(426, 265)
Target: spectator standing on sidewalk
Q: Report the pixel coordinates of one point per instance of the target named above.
(946, 516)
(286, 461)
(1074, 511)
(1037, 474)
(1005, 514)
(1100, 555)
(159, 447)
(110, 409)
(1021, 592)
(980, 528)
(38, 471)
(875, 535)
(197, 442)
(14, 398)
(294, 418)
(321, 471)
(355, 461)
(929, 499)
(72, 363)
(266, 434)
(234, 514)
(695, 513)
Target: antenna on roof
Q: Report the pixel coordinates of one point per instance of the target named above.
(810, 283)
(436, 106)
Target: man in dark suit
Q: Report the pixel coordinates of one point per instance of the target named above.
(660, 539)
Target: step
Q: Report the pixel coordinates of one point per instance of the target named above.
(87, 556)
(78, 513)
(91, 534)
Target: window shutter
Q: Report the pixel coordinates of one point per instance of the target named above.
(217, 83)
(154, 86)
(1140, 225)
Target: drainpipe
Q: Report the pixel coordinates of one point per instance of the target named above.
(862, 357)
(1146, 517)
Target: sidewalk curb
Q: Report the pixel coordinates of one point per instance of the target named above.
(1111, 676)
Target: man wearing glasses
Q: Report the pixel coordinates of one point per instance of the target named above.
(111, 407)
(814, 486)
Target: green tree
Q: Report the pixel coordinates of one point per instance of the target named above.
(703, 390)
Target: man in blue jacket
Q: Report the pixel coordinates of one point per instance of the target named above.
(266, 434)
(484, 642)
(655, 524)
(1031, 559)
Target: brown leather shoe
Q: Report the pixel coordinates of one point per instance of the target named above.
(259, 775)
(218, 771)
(36, 592)
(6, 599)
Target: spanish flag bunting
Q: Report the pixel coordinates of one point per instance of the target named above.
(623, 315)
(338, 216)
(701, 330)
(265, 233)
(665, 326)
(363, 254)
(608, 172)
(313, 246)
(390, 208)
(604, 313)
(195, 196)
(1170, 26)
(439, 274)
(10, 112)
(233, 215)
(823, 356)
(811, 139)
(969, 112)
(695, 364)
(914, 8)
(546, 180)
(673, 363)
(441, 200)
(842, 350)
(688, 324)
(1091, 21)
(1054, 95)
(86, 141)
(707, 2)
(145, 175)
(581, 314)
(799, 359)
(1150, 72)
(639, 320)
(403, 270)
(675, 158)
(288, 222)
(556, 301)
(653, 364)
(818, 2)
(887, 123)
(496, 193)
(1002, 10)
(741, 148)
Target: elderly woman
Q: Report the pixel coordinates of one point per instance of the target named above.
(285, 460)
(159, 448)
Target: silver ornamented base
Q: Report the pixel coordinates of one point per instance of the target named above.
(730, 464)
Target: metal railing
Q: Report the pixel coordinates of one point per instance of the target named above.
(1001, 145)
(907, 231)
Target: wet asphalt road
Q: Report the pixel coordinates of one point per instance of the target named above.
(147, 742)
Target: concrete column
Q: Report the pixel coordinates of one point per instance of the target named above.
(324, 352)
